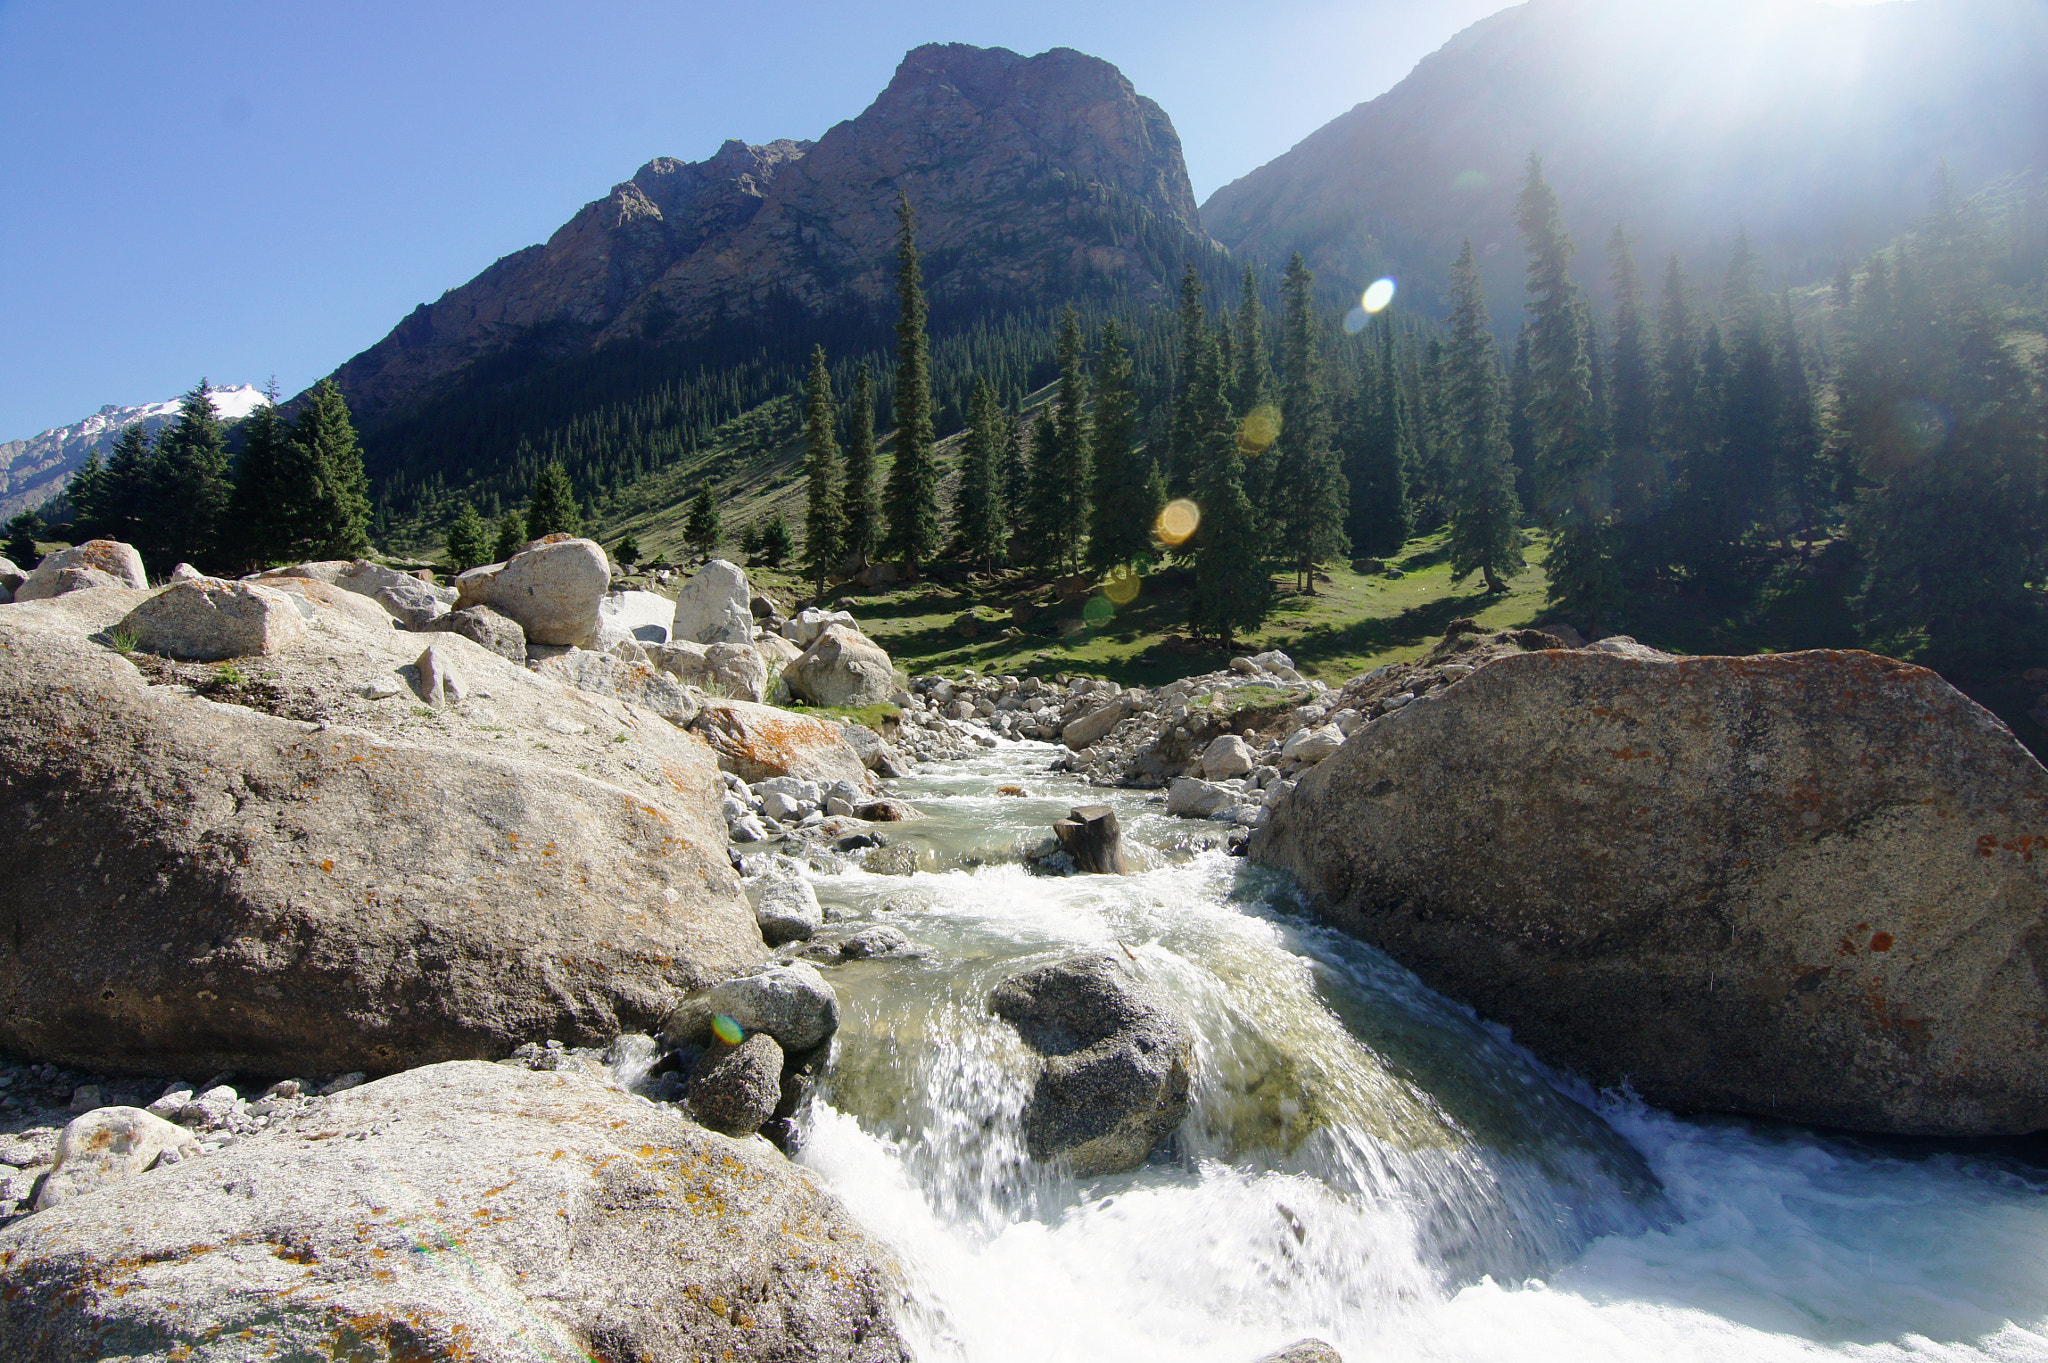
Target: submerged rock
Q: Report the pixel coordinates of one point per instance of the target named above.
(1118, 1061)
(1811, 886)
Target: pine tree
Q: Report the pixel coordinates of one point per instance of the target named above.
(1233, 592)
(1484, 537)
(1252, 375)
(551, 509)
(262, 506)
(776, 541)
(469, 540)
(1802, 474)
(701, 530)
(858, 518)
(1060, 480)
(1378, 470)
(511, 537)
(23, 531)
(1635, 468)
(188, 486)
(87, 494)
(1308, 486)
(1127, 489)
(913, 489)
(1016, 467)
(824, 529)
(320, 474)
(627, 551)
(980, 515)
(1195, 345)
(1567, 435)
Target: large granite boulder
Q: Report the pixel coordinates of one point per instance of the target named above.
(730, 671)
(413, 603)
(110, 1145)
(349, 882)
(604, 675)
(641, 616)
(118, 561)
(494, 630)
(842, 668)
(756, 742)
(1811, 886)
(554, 590)
(203, 619)
(1118, 1061)
(311, 594)
(712, 607)
(459, 1212)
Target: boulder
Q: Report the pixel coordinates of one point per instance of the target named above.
(755, 742)
(440, 680)
(788, 911)
(1809, 886)
(328, 571)
(1096, 724)
(842, 668)
(11, 575)
(552, 590)
(1117, 1061)
(185, 572)
(1304, 1351)
(1309, 746)
(207, 620)
(311, 595)
(711, 608)
(777, 652)
(733, 1089)
(460, 1212)
(791, 1003)
(411, 602)
(494, 630)
(644, 616)
(876, 754)
(118, 561)
(731, 671)
(640, 684)
(108, 1145)
(804, 628)
(1191, 798)
(365, 892)
(1227, 756)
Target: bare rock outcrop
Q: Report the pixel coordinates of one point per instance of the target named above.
(459, 1212)
(1812, 886)
(327, 876)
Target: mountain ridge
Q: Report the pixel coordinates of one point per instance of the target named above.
(37, 468)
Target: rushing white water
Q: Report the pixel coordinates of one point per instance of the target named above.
(1363, 1161)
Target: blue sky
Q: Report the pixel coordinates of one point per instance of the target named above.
(238, 190)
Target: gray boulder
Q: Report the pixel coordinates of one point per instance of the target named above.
(1809, 886)
(118, 561)
(11, 575)
(411, 602)
(875, 752)
(207, 620)
(1096, 724)
(1227, 756)
(372, 890)
(842, 668)
(733, 1089)
(712, 607)
(440, 680)
(791, 1003)
(642, 616)
(1191, 798)
(553, 590)
(1309, 746)
(732, 671)
(1117, 1061)
(788, 911)
(755, 742)
(494, 630)
(640, 684)
(108, 1145)
(463, 1211)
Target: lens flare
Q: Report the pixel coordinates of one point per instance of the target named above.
(1098, 610)
(1177, 522)
(1378, 295)
(728, 1030)
(1355, 320)
(1122, 586)
(1259, 429)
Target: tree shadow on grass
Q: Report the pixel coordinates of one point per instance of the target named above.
(1418, 624)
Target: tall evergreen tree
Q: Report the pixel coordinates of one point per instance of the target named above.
(1128, 491)
(263, 506)
(824, 528)
(1060, 482)
(980, 515)
(859, 520)
(87, 494)
(1378, 470)
(510, 539)
(551, 509)
(1233, 593)
(188, 486)
(1484, 536)
(776, 540)
(913, 489)
(1016, 466)
(469, 540)
(22, 531)
(324, 462)
(1635, 472)
(1196, 343)
(1309, 488)
(701, 529)
(1251, 374)
(1803, 475)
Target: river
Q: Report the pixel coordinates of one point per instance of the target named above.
(1364, 1161)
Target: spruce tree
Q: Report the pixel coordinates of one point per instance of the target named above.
(912, 496)
(1036, 532)
(1309, 488)
(23, 530)
(824, 528)
(1195, 345)
(469, 540)
(1060, 482)
(320, 476)
(551, 508)
(980, 515)
(511, 537)
(627, 551)
(776, 541)
(701, 530)
(859, 521)
(1635, 471)
(1016, 465)
(1803, 475)
(1484, 538)
(1378, 470)
(87, 494)
(263, 506)
(188, 487)
(1126, 500)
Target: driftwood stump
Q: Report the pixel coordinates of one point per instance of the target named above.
(1093, 838)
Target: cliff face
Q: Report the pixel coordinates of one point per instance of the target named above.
(1000, 154)
(1817, 129)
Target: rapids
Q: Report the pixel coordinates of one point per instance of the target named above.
(1364, 1161)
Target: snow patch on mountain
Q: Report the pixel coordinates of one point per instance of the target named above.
(34, 470)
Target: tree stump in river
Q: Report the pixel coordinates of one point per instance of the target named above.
(1092, 837)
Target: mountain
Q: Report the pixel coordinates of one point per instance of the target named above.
(1033, 178)
(1817, 129)
(36, 469)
